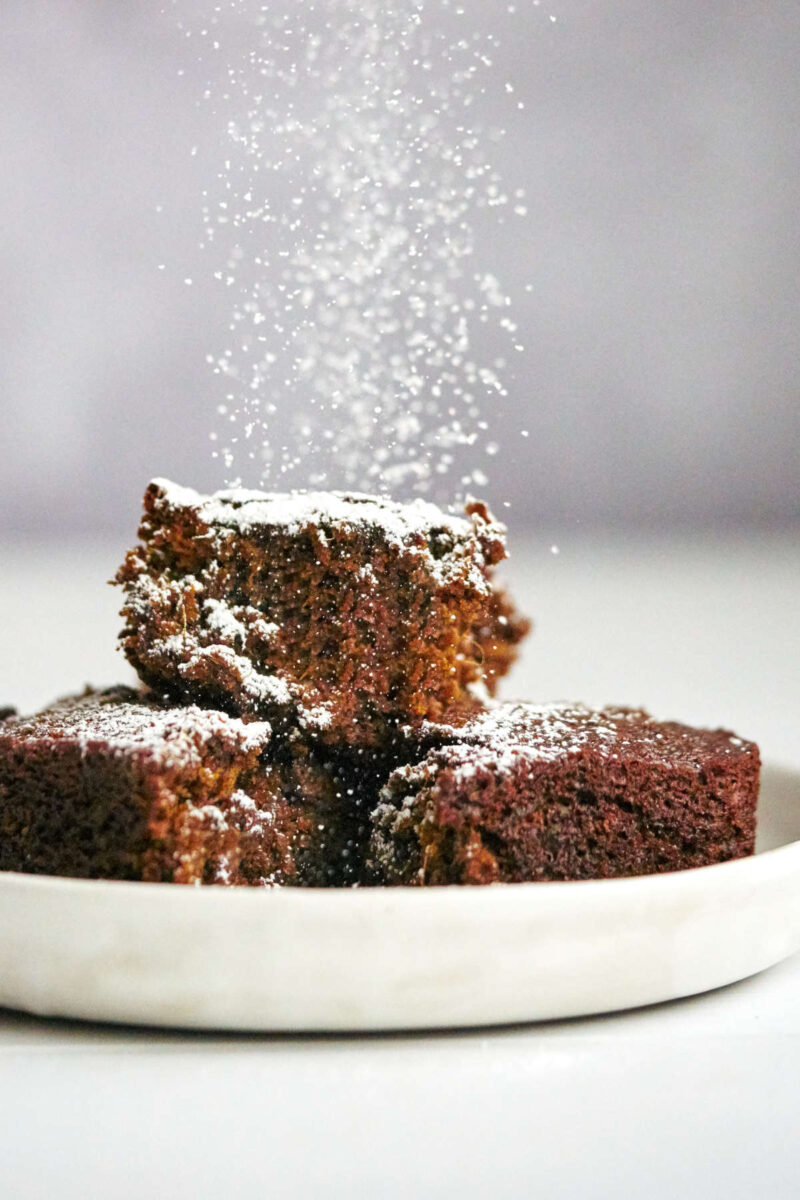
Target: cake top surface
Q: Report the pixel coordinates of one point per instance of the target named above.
(504, 733)
(125, 721)
(245, 510)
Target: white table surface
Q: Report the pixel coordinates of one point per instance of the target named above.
(690, 1099)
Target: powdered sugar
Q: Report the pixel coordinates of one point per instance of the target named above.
(257, 687)
(124, 722)
(316, 718)
(365, 330)
(452, 547)
(245, 510)
(220, 618)
(500, 736)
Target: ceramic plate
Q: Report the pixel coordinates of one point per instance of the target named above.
(217, 958)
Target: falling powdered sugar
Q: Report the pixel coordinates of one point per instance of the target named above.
(344, 226)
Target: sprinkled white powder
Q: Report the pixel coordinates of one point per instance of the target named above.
(123, 724)
(171, 646)
(219, 618)
(243, 510)
(209, 814)
(318, 717)
(260, 688)
(453, 547)
(234, 622)
(222, 871)
(505, 733)
(344, 228)
(242, 801)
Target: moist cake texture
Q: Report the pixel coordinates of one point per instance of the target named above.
(498, 637)
(115, 785)
(336, 613)
(554, 792)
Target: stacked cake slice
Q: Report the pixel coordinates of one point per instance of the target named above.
(318, 673)
(340, 615)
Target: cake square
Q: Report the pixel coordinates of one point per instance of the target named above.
(561, 792)
(336, 613)
(116, 785)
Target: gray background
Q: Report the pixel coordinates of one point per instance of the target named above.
(659, 146)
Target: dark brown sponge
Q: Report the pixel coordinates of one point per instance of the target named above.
(115, 785)
(526, 792)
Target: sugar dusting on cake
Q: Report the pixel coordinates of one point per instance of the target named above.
(504, 733)
(370, 340)
(126, 721)
(244, 509)
(452, 546)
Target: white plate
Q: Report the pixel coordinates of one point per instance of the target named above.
(400, 958)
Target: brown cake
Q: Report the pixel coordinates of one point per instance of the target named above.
(339, 614)
(498, 638)
(525, 793)
(114, 785)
